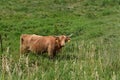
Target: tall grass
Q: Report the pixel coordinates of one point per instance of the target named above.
(91, 60)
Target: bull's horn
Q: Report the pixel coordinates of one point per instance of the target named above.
(71, 35)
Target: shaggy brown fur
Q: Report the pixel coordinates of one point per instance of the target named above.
(40, 44)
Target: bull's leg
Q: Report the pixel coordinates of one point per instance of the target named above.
(50, 52)
(54, 53)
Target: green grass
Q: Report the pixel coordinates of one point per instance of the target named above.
(92, 54)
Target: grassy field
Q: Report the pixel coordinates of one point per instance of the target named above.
(92, 54)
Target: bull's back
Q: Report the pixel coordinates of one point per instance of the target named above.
(28, 39)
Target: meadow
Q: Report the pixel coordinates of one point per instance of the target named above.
(92, 54)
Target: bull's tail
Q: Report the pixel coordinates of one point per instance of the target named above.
(21, 40)
(21, 43)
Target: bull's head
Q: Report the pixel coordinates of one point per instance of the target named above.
(63, 39)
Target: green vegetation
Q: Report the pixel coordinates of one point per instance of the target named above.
(92, 54)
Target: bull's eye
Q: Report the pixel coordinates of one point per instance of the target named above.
(66, 40)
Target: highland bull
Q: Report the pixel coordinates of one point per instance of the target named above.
(41, 44)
